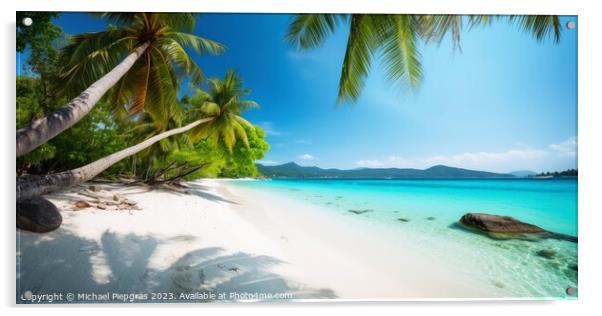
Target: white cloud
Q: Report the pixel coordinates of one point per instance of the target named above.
(566, 148)
(555, 157)
(267, 162)
(488, 157)
(370, 163)
(269, 129)
(391, 161)
(306, 157)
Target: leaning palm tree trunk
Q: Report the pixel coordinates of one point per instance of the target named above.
(40, 131)
(30, 186)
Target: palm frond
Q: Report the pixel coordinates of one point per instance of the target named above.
(199, 44)
(210, 109)
(434, 28)
(173, 53)
(244, 105)
(142, 79)
(90, 56)
(310, 30)
(361, 44)
(223, 101)
(184, 22)
(201, 131)
(541, 26)
(400, 53)
(240, 133)
(119, 18)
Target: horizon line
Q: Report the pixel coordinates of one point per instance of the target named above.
(408, 168)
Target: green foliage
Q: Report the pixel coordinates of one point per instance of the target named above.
(224, 102)
(202, 154)
(205, 159)
(566, 173)
(152, 83)
(92, 138)
(41, 38)
(226, 147)
(242, 161)
(41, 32)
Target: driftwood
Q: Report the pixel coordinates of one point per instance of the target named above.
(104, 200)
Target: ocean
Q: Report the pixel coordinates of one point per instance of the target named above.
(427, 213)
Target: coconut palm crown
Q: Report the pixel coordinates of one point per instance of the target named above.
(224, 102)
(152, 83)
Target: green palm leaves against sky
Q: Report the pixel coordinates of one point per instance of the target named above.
(152, 83)
(224, 101)
(394, 40)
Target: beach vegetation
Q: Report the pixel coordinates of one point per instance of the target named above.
(140, 58)
(139, 130)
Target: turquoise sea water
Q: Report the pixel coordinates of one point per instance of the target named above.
(430, 210)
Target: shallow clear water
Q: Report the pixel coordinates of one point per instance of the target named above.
(430, 210)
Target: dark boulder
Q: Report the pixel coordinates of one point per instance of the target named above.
(38, 215)
(498, 224)
(506, 227)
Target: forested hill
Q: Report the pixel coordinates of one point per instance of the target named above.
(293, 170)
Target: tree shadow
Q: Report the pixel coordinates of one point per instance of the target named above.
(201, 191)
(61, 262)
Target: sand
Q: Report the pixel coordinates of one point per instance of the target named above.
(220, 242)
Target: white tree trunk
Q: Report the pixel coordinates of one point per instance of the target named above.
(30, 186)
(42, 130)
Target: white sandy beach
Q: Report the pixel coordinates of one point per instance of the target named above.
(219, 238)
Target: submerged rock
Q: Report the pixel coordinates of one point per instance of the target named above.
(570, 290)
(38, 215)
(506, 227)
(498, 224)
(358, 212)
(546, 253)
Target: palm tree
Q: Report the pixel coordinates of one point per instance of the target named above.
(217, 117)
(141, 59)
(394, 39)
(223, 101)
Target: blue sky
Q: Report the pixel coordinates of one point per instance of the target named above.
(505, 102)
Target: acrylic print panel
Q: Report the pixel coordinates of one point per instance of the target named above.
(175, 157)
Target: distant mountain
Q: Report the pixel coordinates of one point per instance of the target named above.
(523, 173)
(293, 170)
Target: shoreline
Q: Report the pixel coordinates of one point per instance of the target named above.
(223, 238)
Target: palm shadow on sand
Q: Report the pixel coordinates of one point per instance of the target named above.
(65, 263)
(203, 192)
